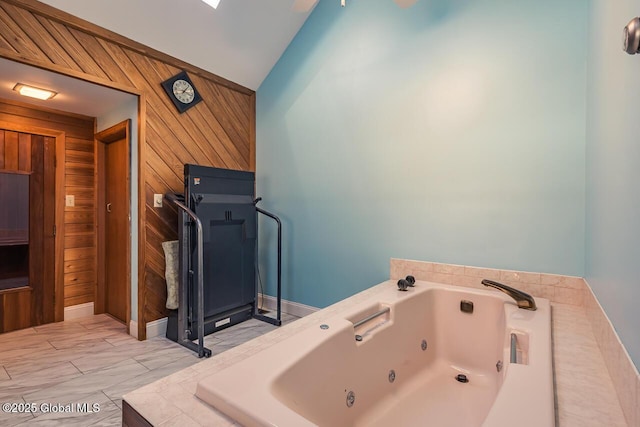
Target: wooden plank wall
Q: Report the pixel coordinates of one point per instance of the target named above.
(15, 151)
(15, 305)
(80, 243)
(220, 131)
(79, 232)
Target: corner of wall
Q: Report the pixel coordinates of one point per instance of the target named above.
(622, 370)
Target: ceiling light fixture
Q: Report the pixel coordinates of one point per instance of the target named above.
(213, 3)
(34, 92)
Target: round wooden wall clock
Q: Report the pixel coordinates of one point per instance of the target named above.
(181, 91)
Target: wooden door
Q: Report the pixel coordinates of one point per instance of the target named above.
(41, 228)
(31, 255)
(113, 171)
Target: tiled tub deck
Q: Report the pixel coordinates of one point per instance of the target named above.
(585, 392)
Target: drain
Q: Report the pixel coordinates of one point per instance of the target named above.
(423, 345)
(499, 365)
(323, 326)
(351, 399)
(392, 376)
(358, 337)
(462, 378)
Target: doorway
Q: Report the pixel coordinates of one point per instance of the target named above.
(27, 229)
(114, 222)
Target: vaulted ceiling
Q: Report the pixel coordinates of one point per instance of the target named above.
(241, 40)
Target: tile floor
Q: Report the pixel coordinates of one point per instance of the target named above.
(93, 361)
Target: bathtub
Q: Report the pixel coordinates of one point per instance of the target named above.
(435, 355)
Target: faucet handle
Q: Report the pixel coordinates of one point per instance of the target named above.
(411, 280)
(403, 285)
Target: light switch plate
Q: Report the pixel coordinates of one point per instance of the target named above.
(70, 200)
(157, 200)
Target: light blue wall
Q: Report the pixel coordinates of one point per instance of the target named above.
(613, 171)
(453, 131)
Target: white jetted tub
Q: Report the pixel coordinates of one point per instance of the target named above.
(435, 355)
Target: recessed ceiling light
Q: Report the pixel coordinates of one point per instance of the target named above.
(34, 92)
(213, 3)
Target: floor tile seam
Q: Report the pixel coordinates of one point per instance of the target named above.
(184, 356)
(6, 372)
(110, 399)
(54, 347)
(90, 370)
(28, 376)
(51, 345)
(65, 357)
(87, 375)
(111, 344)
(79, 370)
(83, 337)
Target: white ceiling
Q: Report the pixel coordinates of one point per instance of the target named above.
(241, 40)
(74, 95)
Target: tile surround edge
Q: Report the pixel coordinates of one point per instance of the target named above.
(557, 288)
(617, 360)
(554, 287)
(638, 400)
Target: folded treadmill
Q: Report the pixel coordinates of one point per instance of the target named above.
(217, 232)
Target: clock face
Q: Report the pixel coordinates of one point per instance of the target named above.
(183, 91)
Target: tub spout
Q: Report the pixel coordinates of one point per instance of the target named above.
(523, 299)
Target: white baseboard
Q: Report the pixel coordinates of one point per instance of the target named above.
(294, 308)
(78, 311)
(133, 328)
(157, 328)
(154, 329)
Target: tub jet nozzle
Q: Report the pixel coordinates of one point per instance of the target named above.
(462, 378)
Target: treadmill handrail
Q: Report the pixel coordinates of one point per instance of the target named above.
(274, 217)
(202, 351)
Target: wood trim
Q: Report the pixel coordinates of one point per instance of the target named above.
(100, 292)
(47, 66)
(127, 130)
(60, 163)
(114, 133)
(142, 222)
(59, 208)
(252, 134)
(20, 104)
(17, 310)
(65, 18)
(14, 171)
(20, 289)
(48, 312)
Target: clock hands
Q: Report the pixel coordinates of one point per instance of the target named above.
(181, 91)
